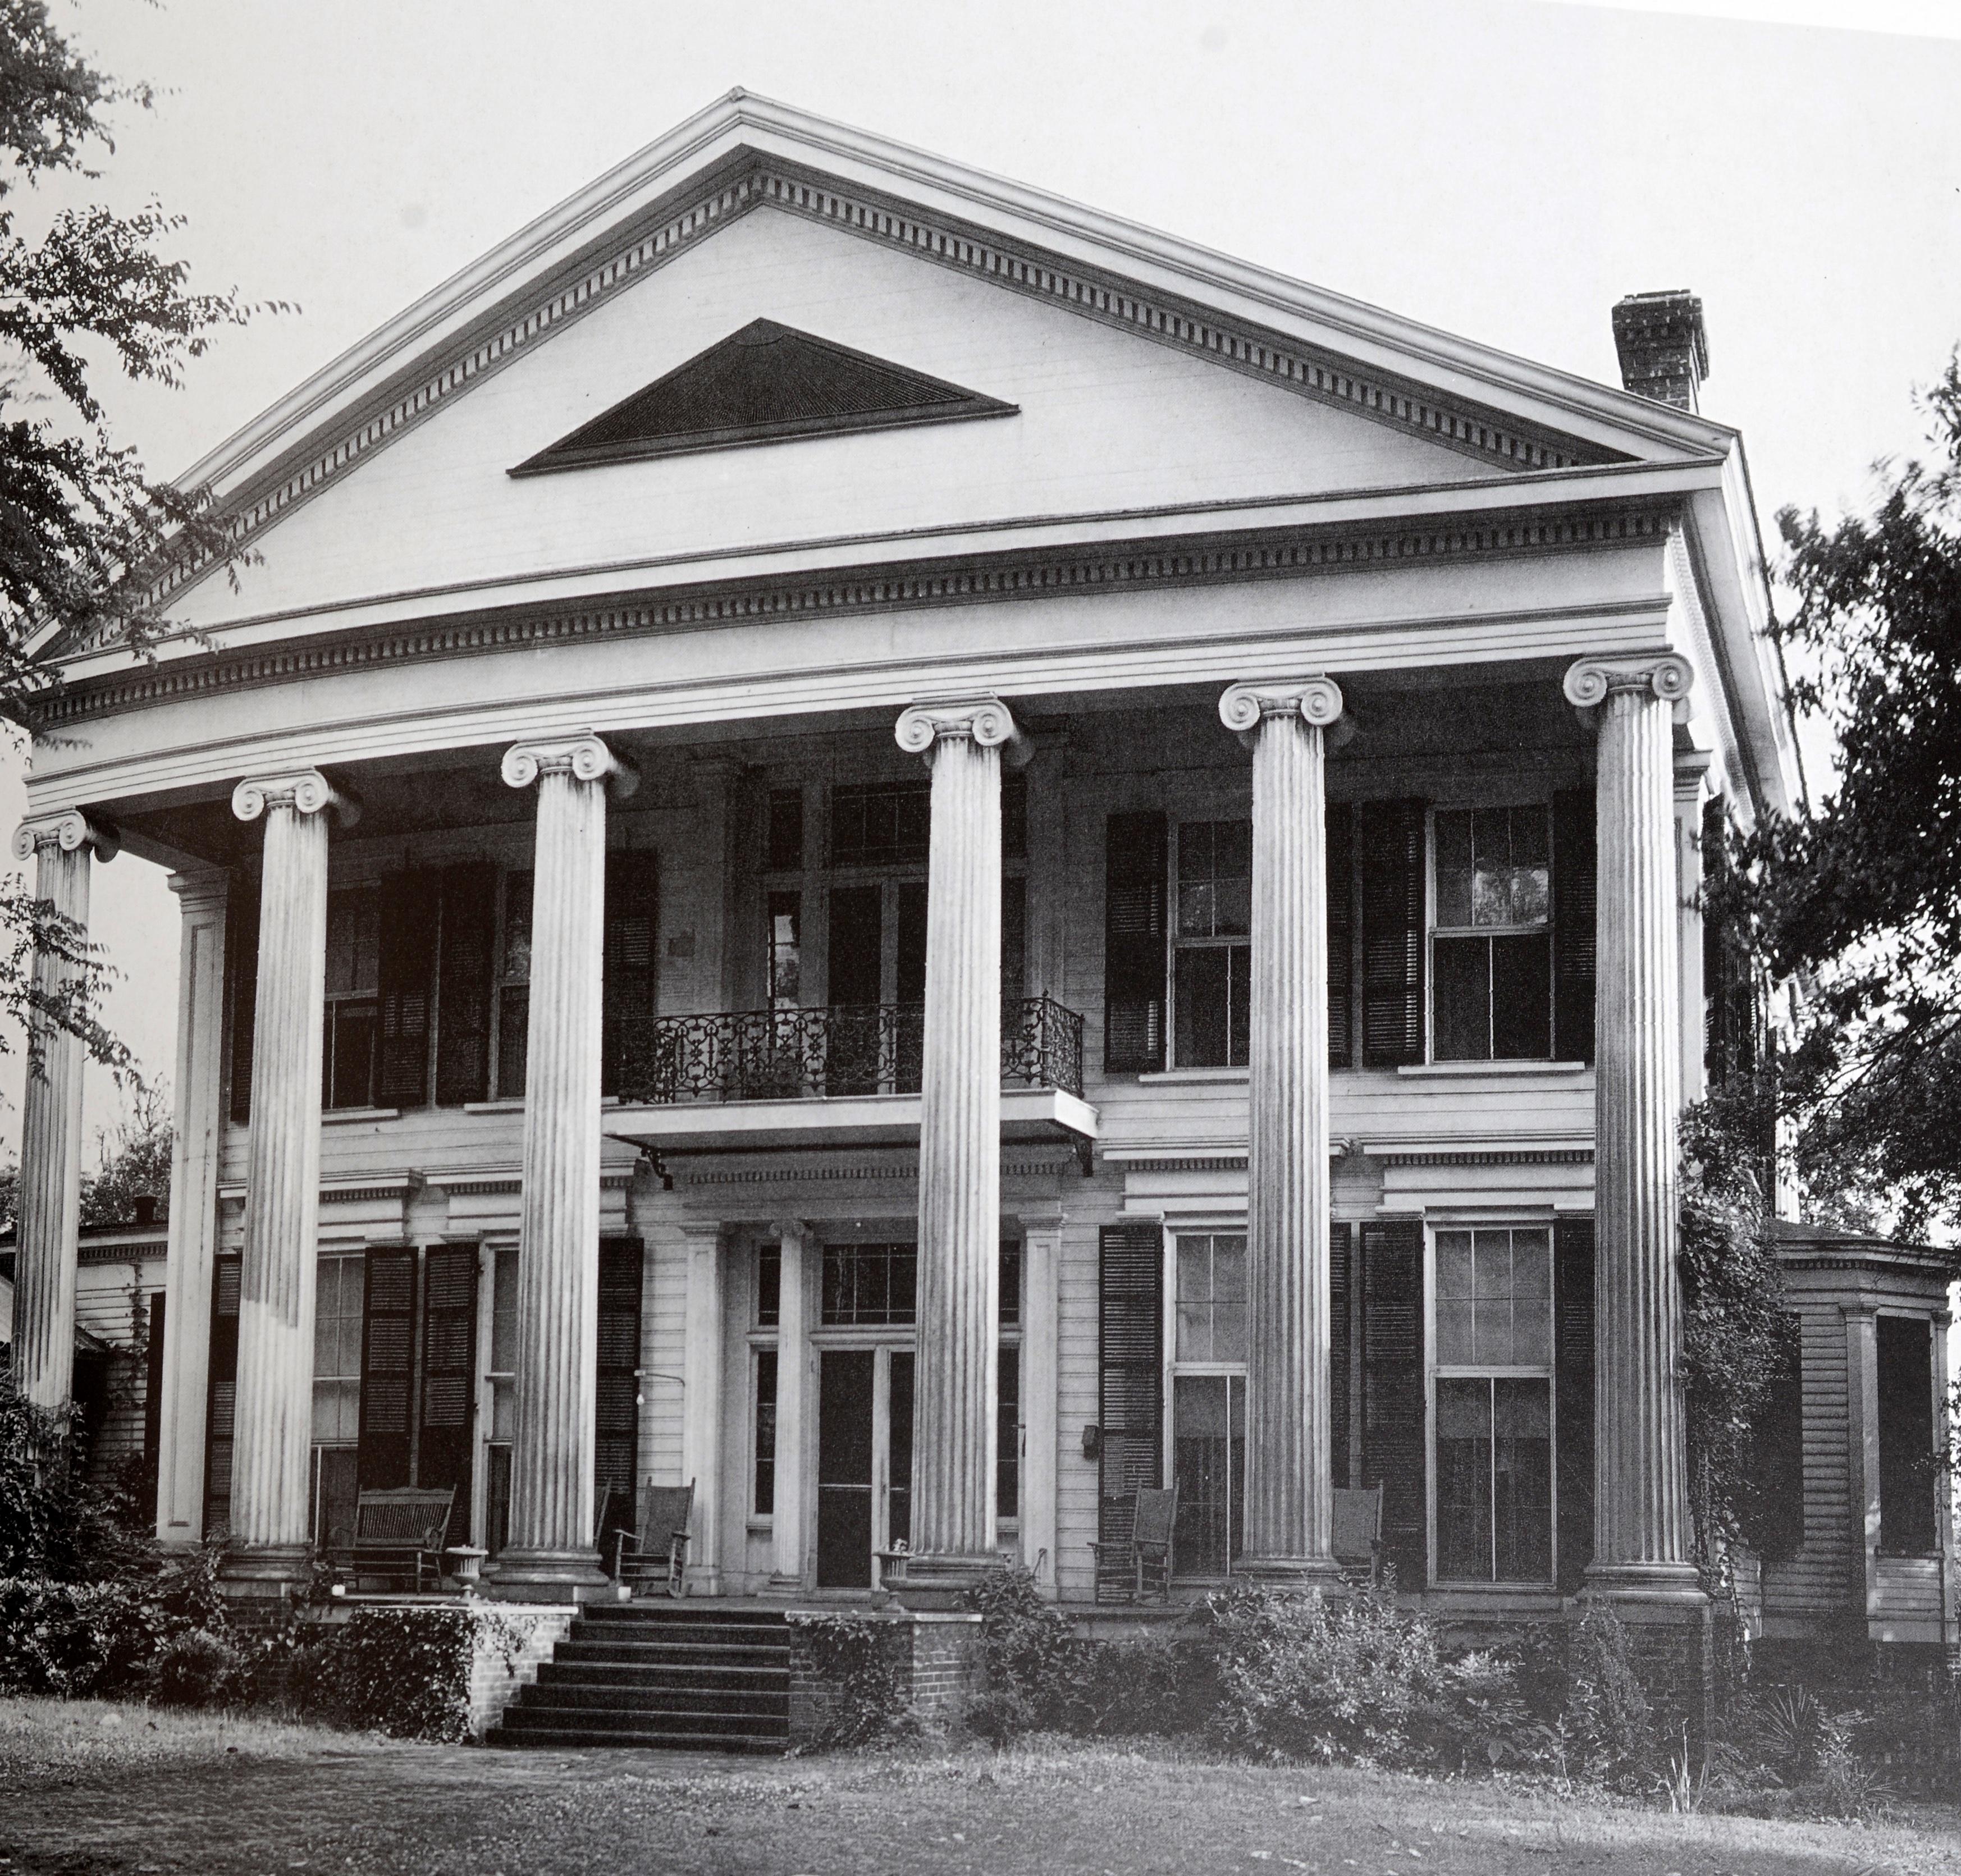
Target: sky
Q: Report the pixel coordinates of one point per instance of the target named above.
(1503, 169)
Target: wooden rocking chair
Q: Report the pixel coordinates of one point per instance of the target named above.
(1129, 1568)
(1358, 1539)
(655, 1550)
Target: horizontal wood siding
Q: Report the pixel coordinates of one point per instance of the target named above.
(1817, 1580)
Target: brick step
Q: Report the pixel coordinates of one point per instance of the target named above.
(762, 1703)
(672, 1654)
(721, 1635)
(683, 1612)
(559, 1738)
(529, 1718)
(611, 1674)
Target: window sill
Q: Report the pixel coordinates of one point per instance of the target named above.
(1457, 1071)
(1513, 1596)
(1192, 1075)
(510, 1104)
(352, 1117)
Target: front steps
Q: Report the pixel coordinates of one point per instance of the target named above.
(664, 1673)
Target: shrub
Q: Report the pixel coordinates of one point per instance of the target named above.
(72, 1639)
(1161, 1686)
(195, 1668)
(1034, 1657)
(870, 1703)
(1607, 1718)
(406, 1672)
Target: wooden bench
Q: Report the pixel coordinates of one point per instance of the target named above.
(401, 1534)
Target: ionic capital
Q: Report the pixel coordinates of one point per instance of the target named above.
(584, 758)
(70, 832)
(1590, 681)
(1315, 700)
(305, 791)
(984, 720)
(788, 1231)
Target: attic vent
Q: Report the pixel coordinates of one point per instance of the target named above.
(766, 384)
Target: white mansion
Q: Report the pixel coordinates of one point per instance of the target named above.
(880, 842)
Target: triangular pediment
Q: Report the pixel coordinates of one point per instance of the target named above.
(766, 384)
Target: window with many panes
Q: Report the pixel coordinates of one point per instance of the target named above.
(1008, 1395)
(503, 1376)
(1209, 1400)
(350, 1021)
(1212, 978)
(339, 1299)
(1493, 1415)
(1491, 935)
(514, 984)
(870, 1285)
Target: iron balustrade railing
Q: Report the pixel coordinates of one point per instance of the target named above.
(847, 1048)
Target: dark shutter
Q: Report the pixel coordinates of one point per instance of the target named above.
(1341, 936)
(1391, 837)
(387, 1358)
(1393, 1448)
(616, 1445)
(153, 1401)
(241, 976)
(1573, 925)
(406, 974)
(221, 1397)
(1134, 943)
(1778, 1529)
(1573, 1388)
(1014, 949)
(444, 1440)
(1340, 1272)
(1130, 1352)
(463, 1015)
(631, 883)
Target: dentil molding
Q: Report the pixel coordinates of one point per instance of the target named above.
(305, 791)
(69, 831)
(584, 758)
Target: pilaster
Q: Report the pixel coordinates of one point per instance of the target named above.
(1862, 1445)
(49, 1204)
(960, 1147)
(1691, 791)
(1042, 1260)
(193, 1240)
(270, 1547)
(1641, 1519)
(551, 1550)
(1289, 1479)
(703, 1368)
(793, 1237)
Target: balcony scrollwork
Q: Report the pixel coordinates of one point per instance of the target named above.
(812, 1054)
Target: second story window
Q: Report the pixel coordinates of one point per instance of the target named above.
(350, 1023)
(1212, 981)
(1491, 935)
(514, 986)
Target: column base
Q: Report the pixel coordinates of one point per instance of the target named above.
(260, 1582)
(1293, 1575)
(538, 1575)
(941, 1583)
(1633, 1588)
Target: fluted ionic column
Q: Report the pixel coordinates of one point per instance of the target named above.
(1290, 1483)
(271, 1447)
(50, 1196)
(1641, 1537)
(551, 1535)
(955, 1384)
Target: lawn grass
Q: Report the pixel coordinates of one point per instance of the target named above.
(155, 1794)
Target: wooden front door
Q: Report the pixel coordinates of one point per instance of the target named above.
(864, 1461)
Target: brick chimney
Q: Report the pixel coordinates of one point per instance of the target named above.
(1663, 346)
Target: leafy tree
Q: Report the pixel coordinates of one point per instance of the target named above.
(1861, 896)
(136, 1158)
(81, 523)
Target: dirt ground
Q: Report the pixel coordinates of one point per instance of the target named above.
(89, 1789)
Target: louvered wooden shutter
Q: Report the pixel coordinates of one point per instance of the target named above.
(1777, 1528)
(1574, 937)
(462, 1012)
(1573, 1386)
(221, 1395)
(406, 975)
(387, 1363)
(1134, 943)
(617, 1422)
(241, 977)
(1341, 936)
(1394, 1450)
(1339, 1277)
(445, 1437)
(1392, 835)
(153, 1396)
(1131, 1351)
(632, 884)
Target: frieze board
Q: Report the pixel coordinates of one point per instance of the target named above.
(707, 608)
(1323, 377)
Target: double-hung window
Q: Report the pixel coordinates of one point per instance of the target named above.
(1491, 935)
(350, 1023)
(1493, 1405)
(1211, 984)
(1209, 1401)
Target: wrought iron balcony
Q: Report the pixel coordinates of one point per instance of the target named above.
(846, 1049)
